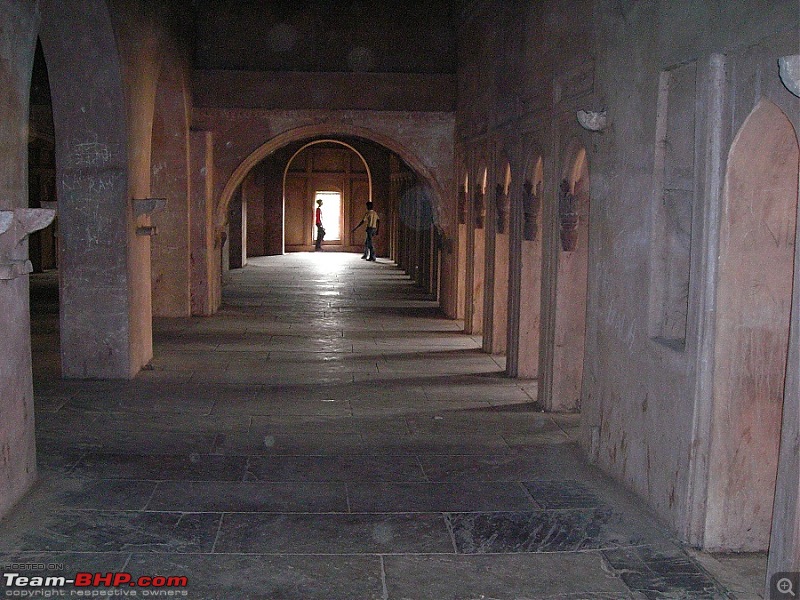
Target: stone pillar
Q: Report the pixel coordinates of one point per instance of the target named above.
(530, 282)
(169, 179)
(201, 193)
(237, 232)
(501, 258)
(515, 227)
(98, 252)
(473, 317)
(489, 271)
(18, 455)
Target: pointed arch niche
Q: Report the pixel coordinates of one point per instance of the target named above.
(754, 289)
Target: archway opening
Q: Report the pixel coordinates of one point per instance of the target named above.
(752, 330)
(338, 173)
(43, 245)
(279, 193)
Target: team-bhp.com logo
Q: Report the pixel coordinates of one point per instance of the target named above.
(94, 585)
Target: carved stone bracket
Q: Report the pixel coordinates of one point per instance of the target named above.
(531, 201)
(790, 73)
(148, 206)
(593, 120)
(479, 209)
(15, 226)
(567, 217)
(146, 230)
(143, 208)
(462, 205)
(501, 202)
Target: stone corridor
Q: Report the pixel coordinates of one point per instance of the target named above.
(328, 435)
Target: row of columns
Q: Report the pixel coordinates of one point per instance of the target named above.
(414, 242)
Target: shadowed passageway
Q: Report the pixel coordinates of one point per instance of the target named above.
(328, 435)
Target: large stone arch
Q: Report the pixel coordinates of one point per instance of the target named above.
(327, 129)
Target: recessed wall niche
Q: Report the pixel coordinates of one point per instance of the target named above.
(673, 205)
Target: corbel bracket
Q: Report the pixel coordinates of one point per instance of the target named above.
(790, 73)
(148, 206)
(593, 120)
(147, 230)
(15, 226)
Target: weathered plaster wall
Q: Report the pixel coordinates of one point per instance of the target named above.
(340, 91)
(392, 36)
(648, 401)
(17, 452)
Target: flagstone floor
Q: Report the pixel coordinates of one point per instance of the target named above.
(327, 435)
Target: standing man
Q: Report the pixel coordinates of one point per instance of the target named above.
(320, 228)
(372, 222)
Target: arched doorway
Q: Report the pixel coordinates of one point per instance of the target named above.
(569, 335)
(752, 329)
(336, 172)
(43, 245)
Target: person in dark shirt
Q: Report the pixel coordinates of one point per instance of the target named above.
(320, 228)
(372, 222)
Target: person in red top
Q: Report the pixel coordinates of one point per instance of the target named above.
(320, 228)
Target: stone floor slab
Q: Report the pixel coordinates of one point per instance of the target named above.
(333, 534)
(505, 577)
(227, 577)
(355, 468)
(539, 531)
(438, 497)
(115, 531)
(213, 496)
